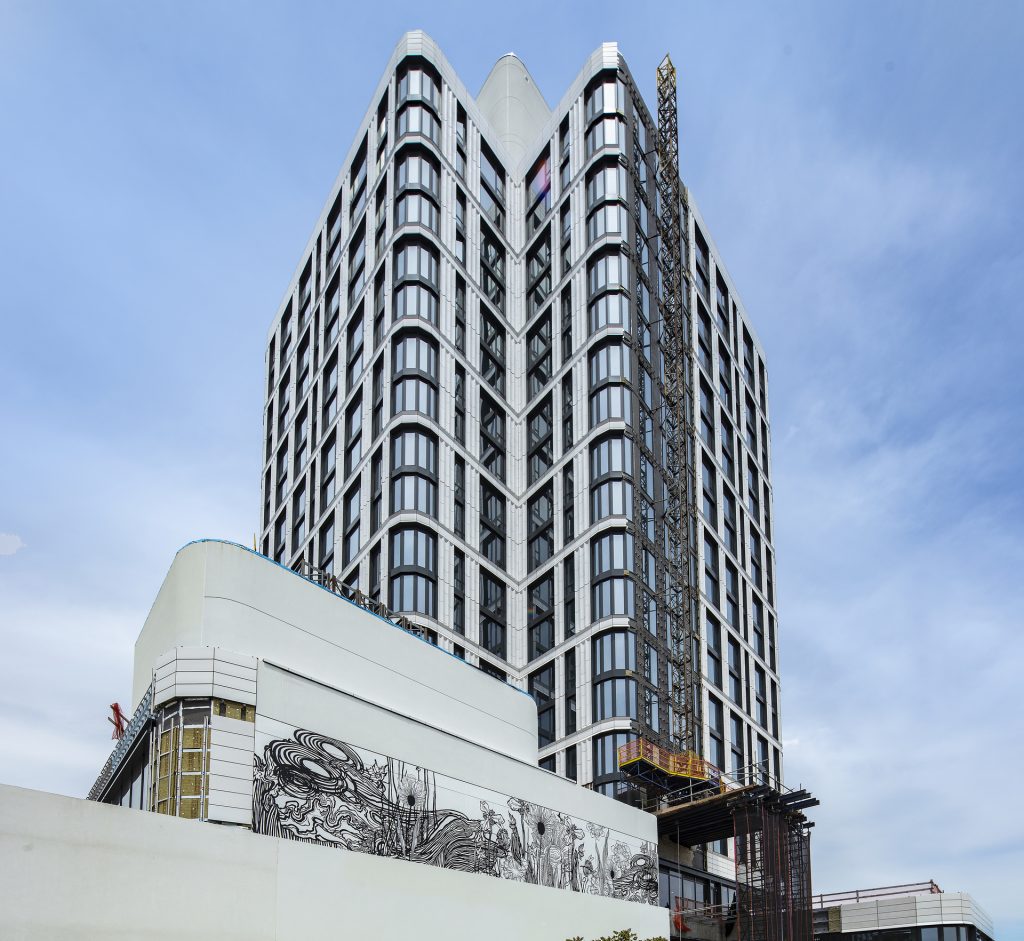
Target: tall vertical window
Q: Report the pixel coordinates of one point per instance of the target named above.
(713, 635)
(414, 375)
(416, 285)
(542, 689)
(612, 589)
(492, 613)
(538, 356)
(540, 527)
(351, 522)
(414, 472)
(716, 733)
(541, 615)
(492, 187)
(459, 522)
(570, 692)
(614, 662)
(492, 352)
(414, 571)
(492, 436)
(492, 524)
(539, 441)
(353, 435)
(569, 594)
(538, 192)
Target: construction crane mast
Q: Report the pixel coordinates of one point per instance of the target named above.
(680, 598)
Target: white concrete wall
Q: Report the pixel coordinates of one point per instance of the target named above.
(74, 869)
(287, 701)
(942, 908)
(217, 594)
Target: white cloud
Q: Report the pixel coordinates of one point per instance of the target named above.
(10, 543)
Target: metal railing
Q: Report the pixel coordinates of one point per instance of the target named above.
(828, 899)
(357, 597)
(124, 743)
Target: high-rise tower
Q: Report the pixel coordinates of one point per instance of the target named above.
(466, 403)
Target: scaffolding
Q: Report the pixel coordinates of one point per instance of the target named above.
(681, 598)
(696, 803)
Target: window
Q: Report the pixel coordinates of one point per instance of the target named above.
(610, 397)
(760, 697)
(414, 571)
(351, 522)
(377, 490)
(611, 498)
(570, 762)
(606, 760)
(459, 593)
(729, 520)
(614, 698)
(606, 273)
(538, 273)
(417, 209)
(539, 441)
(540, 527)
(416, 281)
(569, 595)
(568, 506)
(492, 436)
(611, 552)
(538, 356)
(728, 451)
(716, 733)
(492, 613)
(708, 491)
(732, 596)
(735, 673)
(753, 496)
(608, 132)
(713, 634)
(542, 689)
(414, 472)
(328, 460)
(326, 545)
(460, 404)
(492, 187)
(538, 192)
(459, 522)
(353, 435)
(492, 352)
(460, 314)
(738, 761)
(417, 170)
(541, 615)
(417, 119)
(417, 80)
(492, 524)
(707, 417)
(357, 263)
(757, 617)
(755, 558)
(711, 584)
(414, 375)
(298, 518)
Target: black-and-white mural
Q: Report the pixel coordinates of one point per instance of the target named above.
(316, 789)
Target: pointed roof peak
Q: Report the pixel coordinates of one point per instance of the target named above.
(513, 104)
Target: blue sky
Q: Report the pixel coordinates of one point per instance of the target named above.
(859, 167)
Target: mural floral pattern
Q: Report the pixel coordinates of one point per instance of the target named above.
(320, 790)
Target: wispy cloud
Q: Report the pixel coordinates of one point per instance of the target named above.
(10, 543)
